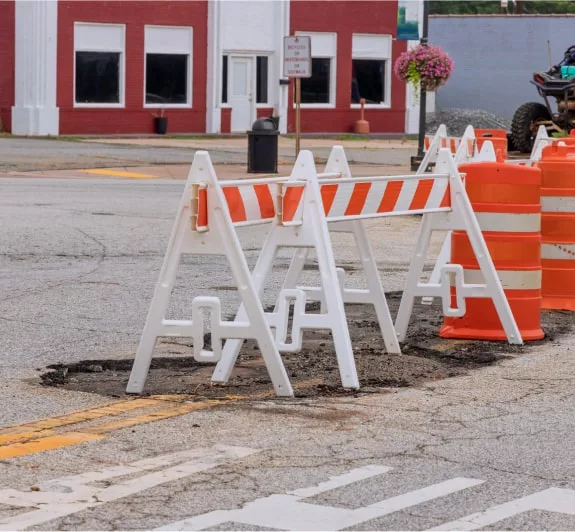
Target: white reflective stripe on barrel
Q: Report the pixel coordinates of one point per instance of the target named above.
(509, 223)
(510, 280)
(558, 203)
(558, 251)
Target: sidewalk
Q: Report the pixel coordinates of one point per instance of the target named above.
(235, 143)
(180, 172)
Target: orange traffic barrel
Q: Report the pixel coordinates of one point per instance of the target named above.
(572, 134)
(557, 166)
(497, 136)
(506, 201)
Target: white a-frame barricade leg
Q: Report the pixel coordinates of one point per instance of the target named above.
(466, 152)
(431, 148)
(302, 225)
(337, 165)
(459, 217)
(204, 226)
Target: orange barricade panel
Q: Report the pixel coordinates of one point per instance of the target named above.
(505, 199)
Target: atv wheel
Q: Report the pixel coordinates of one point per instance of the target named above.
(525, 123)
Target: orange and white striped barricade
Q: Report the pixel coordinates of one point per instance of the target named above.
(431, 146)
(337, 166)
(299, 224)
(558, 226)
(194, 234)
(498, 137)
(435, 140)
(506, 201)
(463, 148)
(440, 197)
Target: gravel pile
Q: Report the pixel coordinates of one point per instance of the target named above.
(456, 120)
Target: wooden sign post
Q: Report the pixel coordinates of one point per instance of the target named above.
(297, 64)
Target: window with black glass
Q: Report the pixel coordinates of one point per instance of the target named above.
(262, 79)
(167, 79)
(98, 77)
(225, 79)
(316, 89)
(368, 81)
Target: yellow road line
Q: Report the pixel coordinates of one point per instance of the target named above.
(23, 436)
(156, 416)
(39, 436)
(46, 444)
(119, 173)
(112, 409)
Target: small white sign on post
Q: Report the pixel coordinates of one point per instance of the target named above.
(297, 64)
(297, 57)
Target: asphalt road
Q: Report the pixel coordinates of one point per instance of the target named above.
(78, 264)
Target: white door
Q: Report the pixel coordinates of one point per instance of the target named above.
(241, 94)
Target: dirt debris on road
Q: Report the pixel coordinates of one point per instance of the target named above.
(314, 371)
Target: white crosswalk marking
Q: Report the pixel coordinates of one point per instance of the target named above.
(550, 500)
(69, 495)
(289, 512)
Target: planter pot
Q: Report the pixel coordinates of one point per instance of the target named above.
(161, 125)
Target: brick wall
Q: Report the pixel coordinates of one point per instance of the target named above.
(7, 22)
(135, 14)
(346, 18)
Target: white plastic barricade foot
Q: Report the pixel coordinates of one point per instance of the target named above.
(460, 217)
(200, 230)
(374, 294)
(303, 225)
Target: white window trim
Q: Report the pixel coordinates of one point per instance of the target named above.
(332, 76)
(387, 104)
(122, 66)
(189, 91)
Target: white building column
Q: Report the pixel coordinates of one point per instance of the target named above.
(283, 29)
(214, 68)
(36, 30)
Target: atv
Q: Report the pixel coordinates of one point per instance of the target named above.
(558, 83)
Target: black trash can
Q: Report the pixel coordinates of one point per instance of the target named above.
(263, 147)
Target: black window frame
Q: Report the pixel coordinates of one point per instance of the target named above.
(186, 79)
(119, 88)
(384, 101)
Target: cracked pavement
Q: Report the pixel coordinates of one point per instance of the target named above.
(78, 264)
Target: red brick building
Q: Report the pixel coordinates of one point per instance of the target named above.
(111, 67)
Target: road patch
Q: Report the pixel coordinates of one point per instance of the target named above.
(426, 357)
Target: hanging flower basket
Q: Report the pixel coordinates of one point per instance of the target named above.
(424, 66)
